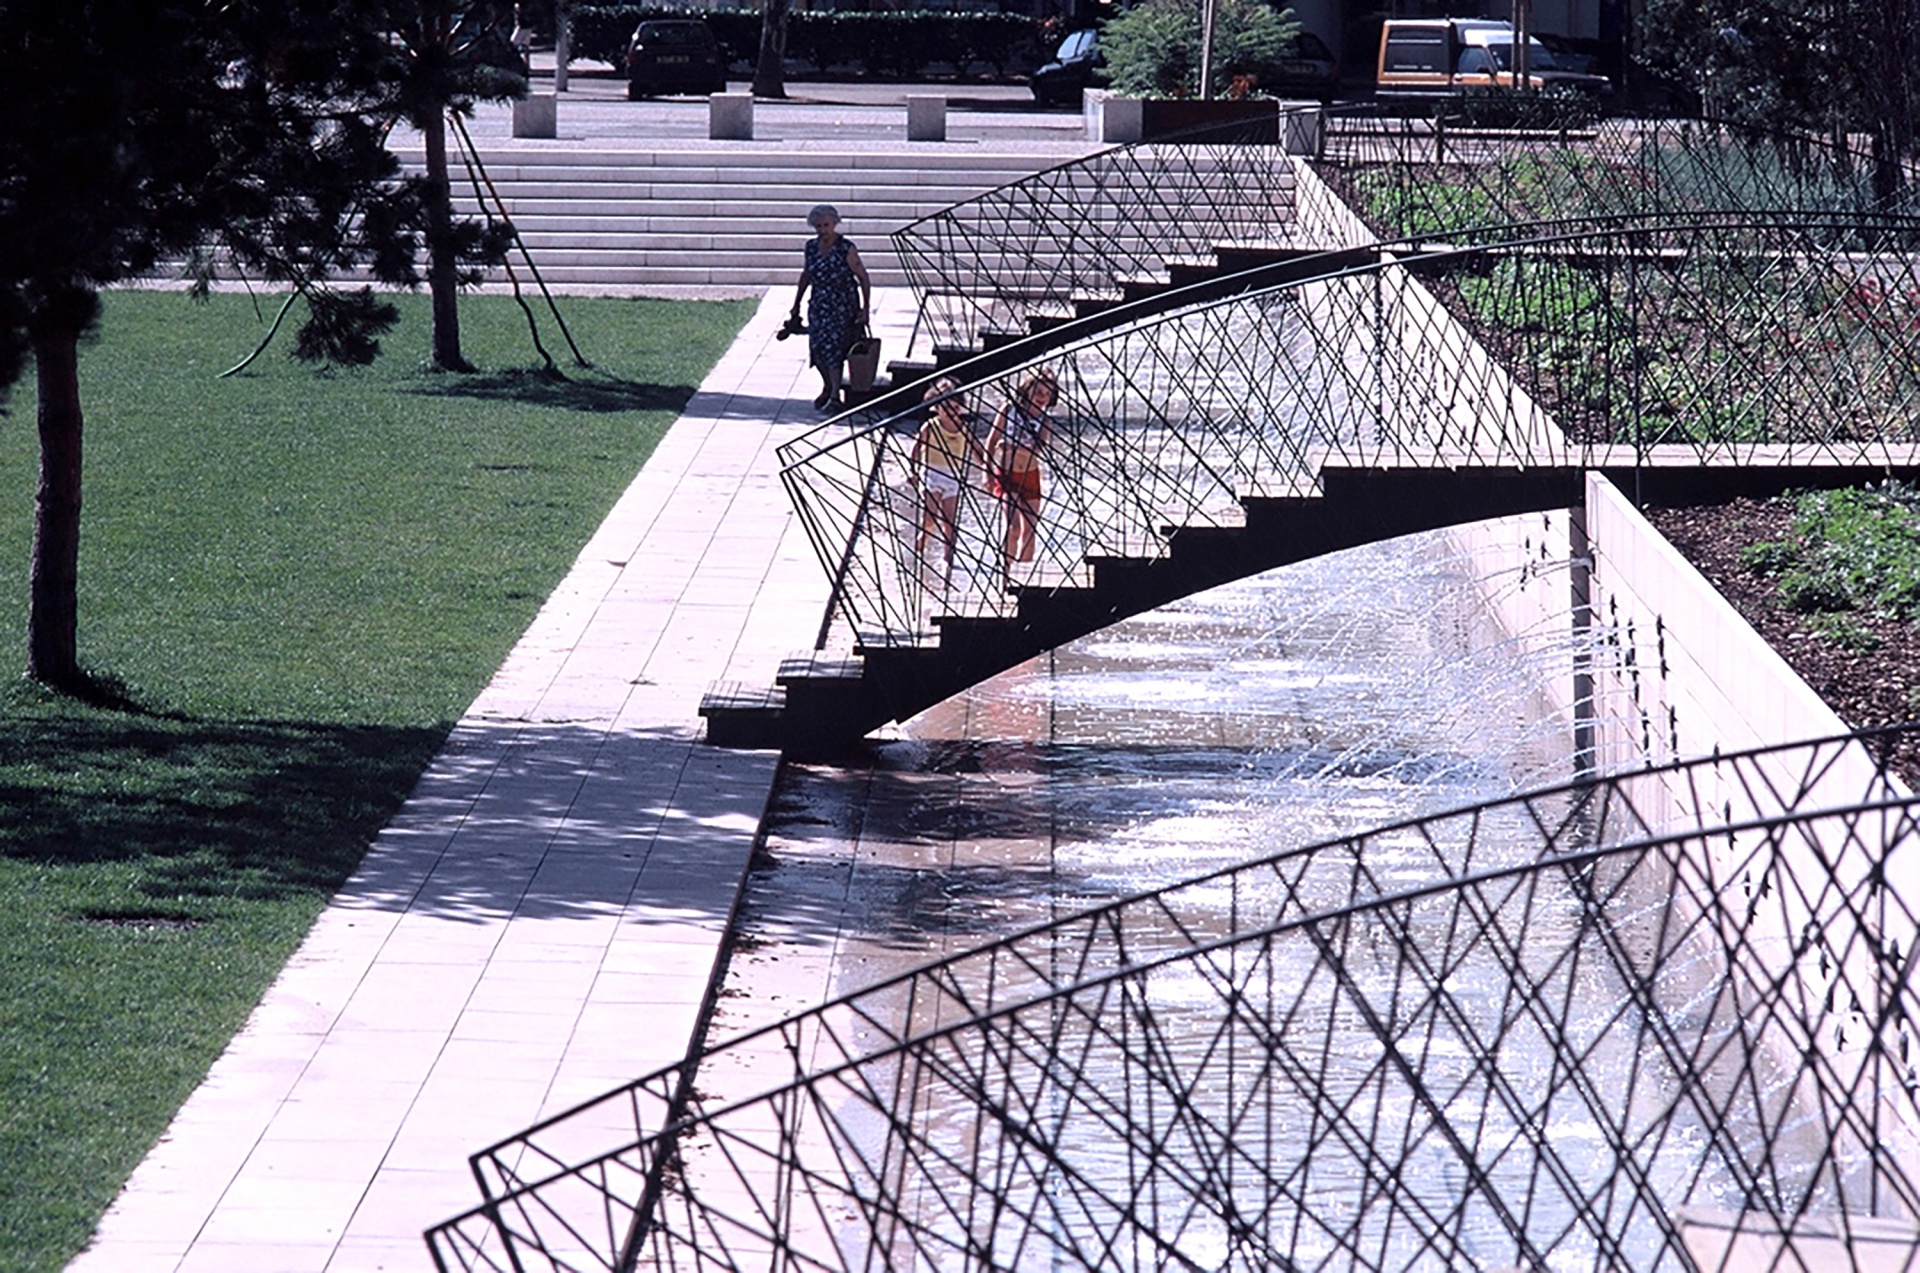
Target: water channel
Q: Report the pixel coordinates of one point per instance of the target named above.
(1280, 711)
(1287, 710)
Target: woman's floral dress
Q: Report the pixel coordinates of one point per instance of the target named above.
(831, 304)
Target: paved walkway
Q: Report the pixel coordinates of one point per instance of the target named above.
(827, 117)
(541, 921)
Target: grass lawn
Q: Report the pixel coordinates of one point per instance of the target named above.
(297, 580)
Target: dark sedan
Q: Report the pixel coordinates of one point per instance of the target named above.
(1077, 66)
(1307, 69)
(674, 55)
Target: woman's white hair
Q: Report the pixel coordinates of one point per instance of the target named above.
(822, 212)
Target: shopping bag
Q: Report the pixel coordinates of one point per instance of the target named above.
(863, 362)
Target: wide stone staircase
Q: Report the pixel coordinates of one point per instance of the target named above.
(622, 217)
(618, 217)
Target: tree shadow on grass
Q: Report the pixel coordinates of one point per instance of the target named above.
(189, 819)
(201, 810)
(586, 392)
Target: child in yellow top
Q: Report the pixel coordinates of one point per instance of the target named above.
(942, 452)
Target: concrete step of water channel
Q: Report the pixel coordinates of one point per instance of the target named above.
(892, 681)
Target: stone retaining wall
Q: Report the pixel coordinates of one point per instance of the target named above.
(1675, 671)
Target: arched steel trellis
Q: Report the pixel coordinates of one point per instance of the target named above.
(1674, 1032)
(1672, 1029)
(1696, 342)
(1088, 228)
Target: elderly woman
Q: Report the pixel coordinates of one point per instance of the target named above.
(841, 294)
(943, 451)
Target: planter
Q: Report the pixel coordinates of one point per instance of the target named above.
(536, 115)
(1111, 118)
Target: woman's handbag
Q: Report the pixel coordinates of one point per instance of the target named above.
(863, 361)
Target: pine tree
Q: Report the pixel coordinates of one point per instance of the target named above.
(450, 55)
(138, 131)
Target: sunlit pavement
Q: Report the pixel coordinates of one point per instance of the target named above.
(541, 920)
(813, 116)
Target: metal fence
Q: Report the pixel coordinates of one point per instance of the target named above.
(1434, 177)
(1676, 1025)
(1658, 1017)
(1697, 340)
(1084, 228)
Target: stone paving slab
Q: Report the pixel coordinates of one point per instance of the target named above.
(816, 118)
(542, 919)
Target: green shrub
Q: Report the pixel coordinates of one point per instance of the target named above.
(1153, 49)
(1855, 549)
(1421, 201)
(1536, 294)
(599, 33)
(1550, 109)
(1846, 632)
(1768, 557)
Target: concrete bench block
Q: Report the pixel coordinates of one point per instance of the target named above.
(926, 119)
(536, 116)
(1303, 132)
(730, 117)
(1111, 119)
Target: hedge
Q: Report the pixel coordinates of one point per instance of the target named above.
(892, 44)
(1553, 108)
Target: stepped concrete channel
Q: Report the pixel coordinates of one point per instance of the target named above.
(543, 918)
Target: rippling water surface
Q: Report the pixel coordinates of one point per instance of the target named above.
(1281, 712)
(1276, 712)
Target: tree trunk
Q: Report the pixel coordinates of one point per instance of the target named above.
(1892, 61)
(53, 611)
(770, 72)
(443, 271)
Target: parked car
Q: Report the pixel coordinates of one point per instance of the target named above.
(674, 55)
(1444, 57)
(1307, 69)
(1077, 66)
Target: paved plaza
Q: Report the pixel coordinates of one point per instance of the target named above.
(541, 920)
(817, 117)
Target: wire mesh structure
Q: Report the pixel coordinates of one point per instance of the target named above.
(1672, 1029)
(1435, 176)
(1085, 229)
(1668, 1026)
(1680, 341)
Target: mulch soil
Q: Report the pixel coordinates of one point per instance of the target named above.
(1864, 687)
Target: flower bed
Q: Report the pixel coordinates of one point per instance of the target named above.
(1864, 663)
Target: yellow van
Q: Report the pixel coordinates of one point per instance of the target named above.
(1442, 57)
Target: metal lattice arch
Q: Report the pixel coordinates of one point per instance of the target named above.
(1439, 382)
(1265, 356)
(1669, 1027)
